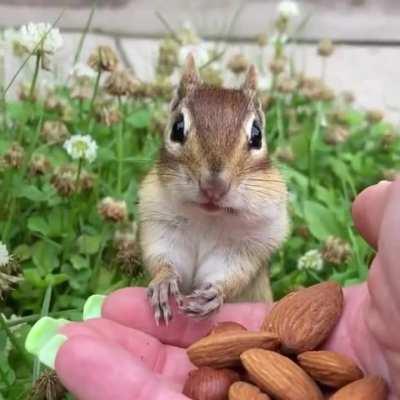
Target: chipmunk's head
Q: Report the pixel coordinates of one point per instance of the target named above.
(215, 155)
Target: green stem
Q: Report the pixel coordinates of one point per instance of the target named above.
(311, 148)
(96, 269)
(95, 90)
(33, 318)
(281, 129)
(85, 32)
(44, 311)
(9, 219)
(35, 77)
(120, 147)
(78, 174)
(14, 340)
(3, 110)
(80, 110)
(323, 69)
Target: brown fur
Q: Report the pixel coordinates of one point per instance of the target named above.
(216, 143)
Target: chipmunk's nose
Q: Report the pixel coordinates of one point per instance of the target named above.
(214, 187)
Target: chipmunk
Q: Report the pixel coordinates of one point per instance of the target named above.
(213, 208)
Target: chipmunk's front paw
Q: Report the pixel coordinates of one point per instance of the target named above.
(159, 293)
(203, 302)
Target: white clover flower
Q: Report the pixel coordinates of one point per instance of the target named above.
(82, 70)
(311, 260)
(200, 53)
(30, 35)
(288, 9)
(81, 147)
(5, 256)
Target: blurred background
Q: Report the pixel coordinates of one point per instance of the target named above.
(366, 32)
(83, 112)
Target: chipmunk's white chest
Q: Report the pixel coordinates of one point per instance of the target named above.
(203, 242)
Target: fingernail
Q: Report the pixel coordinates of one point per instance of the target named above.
(93, 306)
(42, 332)
(47, 355)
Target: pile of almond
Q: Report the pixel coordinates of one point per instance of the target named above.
(281, 361)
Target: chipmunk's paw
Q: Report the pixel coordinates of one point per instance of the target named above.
(203, 302)
(159, 293)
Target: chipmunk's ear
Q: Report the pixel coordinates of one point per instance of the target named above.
(190, 77)
(250, 82)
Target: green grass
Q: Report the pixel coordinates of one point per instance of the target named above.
(67, 251)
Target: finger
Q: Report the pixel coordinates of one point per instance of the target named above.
(367, 210)
(130, 307)
(172, 362)
(92, 368)
(383, 303)
(388, 243)
(384, 277)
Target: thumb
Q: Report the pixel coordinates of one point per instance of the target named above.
(368, 209)
(92, 368)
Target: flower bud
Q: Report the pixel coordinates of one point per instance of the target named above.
(287, 85)
(48, 387)
(128, 249)
(14, 156)
(113, 210)
(64, 180)
(238, 64)
(211, 76)
(336, 135)
(388, 139)
(39, 165)
(325, 48)
(336, 250)
(24, 93)
(168, 57)
(86, 181)
(54, 132)
(82, 89)
(107, 113)
(121, 83)
(277, 65)
(103, 58)
(391, 174)
(375, 116)
(262, 39)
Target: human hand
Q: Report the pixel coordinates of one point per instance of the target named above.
(124, 355)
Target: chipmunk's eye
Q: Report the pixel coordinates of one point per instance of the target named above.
(255, 140)
(178, 130)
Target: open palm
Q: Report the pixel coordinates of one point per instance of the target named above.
(124, 355)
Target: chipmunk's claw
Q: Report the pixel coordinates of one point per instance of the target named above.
(203, 302)
(159, 293)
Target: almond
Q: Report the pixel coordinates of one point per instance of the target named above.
(224, 350)
(228, 326)
(279, 376)
(246, 391)
(330, 368)
(368, 388)
(304, 319)
(209, 384)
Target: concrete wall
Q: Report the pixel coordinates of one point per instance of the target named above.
(372, 20)
(368, 33)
